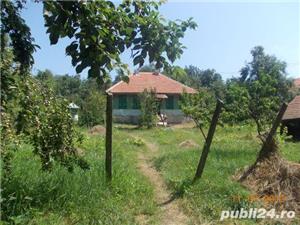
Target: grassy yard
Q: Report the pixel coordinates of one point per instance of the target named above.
(232, 148)
(83, 197)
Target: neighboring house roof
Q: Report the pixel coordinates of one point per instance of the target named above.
(148, 80)
(293, 109)
(73, 106)
(297, 82)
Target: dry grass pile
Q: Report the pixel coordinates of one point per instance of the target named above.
(188, 144)
(274, 176)
(97, 130)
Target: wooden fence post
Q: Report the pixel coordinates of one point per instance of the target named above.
(108, 138)
(263, 152)
(275, 125)
(208, 140)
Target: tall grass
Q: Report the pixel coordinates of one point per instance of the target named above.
(82, 197)
(233, 148)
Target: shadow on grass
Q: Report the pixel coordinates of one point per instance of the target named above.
(180, 190)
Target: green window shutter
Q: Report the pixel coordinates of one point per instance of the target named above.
(122, 102)
(135, 102)
(170, 102)
(176, 102)
(115, 102)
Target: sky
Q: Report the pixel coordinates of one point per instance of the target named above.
(226, 33)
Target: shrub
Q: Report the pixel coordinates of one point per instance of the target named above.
(149, 107)
(199, 107)
(92, 110)
(47, 122)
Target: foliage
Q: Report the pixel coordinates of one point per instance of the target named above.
(261, 89)
(236, 103)
(147, 68)
(101, 31)
(199, 107)
(60, 198)
(68, 86)
(30, 111)
(87, 94)
(10, 99)
(47, 122)
(20, 37)
(47, 79)
(92, 111)
(208, 78)
(177, 73)
(121, 75)
(149, 108)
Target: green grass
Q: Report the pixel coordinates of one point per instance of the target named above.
(81, 197)
(233, 148)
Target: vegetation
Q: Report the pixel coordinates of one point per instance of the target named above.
(123, 26)
(87, 94)
(199, 107)
(31, 111)
(149, 108)
(37, 130)
(267, 86)
(233, 148)
(36, 197)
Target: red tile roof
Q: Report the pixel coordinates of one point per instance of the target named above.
(293, 109)
(147, 80)
(297, 82)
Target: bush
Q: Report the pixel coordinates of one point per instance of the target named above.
(199, 107)
(92, 110)
(149, 107)
(46, 120)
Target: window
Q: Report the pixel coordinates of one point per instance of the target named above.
(135, 102)
(170, 102)
(122, 102)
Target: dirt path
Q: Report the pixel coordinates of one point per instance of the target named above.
(170, 212)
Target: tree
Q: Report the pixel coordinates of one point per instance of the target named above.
(10, 81)
(258, 93)
(101, 31)
(21, 41)
(92, 103)
(149, 108)
(208, 78)
(199, 107)
(265, 80)
(68, 86)
(236, 103)
(147, 68)
(88, 94)
(177, 73)
(30, 108)
(46, 78)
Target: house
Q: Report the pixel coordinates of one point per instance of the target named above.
(126, 101)
(291, 118)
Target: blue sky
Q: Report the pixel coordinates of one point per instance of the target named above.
(226, 33)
